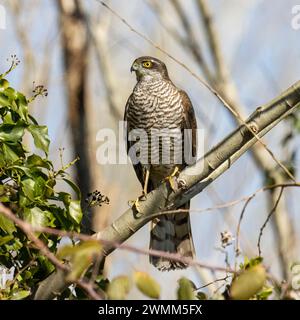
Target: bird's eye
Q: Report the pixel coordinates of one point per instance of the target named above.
(147, 64)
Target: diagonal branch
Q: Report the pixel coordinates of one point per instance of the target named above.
(196, 178)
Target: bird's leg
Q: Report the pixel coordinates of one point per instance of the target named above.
(171, 176)
(147, 175)
(135, 203)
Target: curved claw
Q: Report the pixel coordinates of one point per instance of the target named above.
(170, 179)
(135, 204)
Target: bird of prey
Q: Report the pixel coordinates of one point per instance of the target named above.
(157, 104)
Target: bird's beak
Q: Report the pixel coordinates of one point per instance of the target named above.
(134, 67)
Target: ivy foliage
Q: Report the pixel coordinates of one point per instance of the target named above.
(28, 187)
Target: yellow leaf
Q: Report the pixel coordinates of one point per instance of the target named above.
(146, 284)
(248, 283)
(80, 256)
(185, 290)
(118, 288)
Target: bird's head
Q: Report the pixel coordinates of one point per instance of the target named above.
(149, 68)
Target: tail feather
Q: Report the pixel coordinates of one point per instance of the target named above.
(172, 233)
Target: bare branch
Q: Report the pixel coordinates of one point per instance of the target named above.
(267, 220)
(237, 247)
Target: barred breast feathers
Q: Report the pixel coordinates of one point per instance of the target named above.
(155, 104)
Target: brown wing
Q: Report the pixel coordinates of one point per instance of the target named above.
(137, 167)
(189, 122)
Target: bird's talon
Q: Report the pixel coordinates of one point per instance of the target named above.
(172, 182)
(134, 204)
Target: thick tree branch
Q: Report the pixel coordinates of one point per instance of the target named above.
(194, 179)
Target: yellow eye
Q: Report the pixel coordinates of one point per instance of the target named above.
(147, 64)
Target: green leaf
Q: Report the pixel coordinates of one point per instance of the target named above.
(185, 290)
(118, 288)
(4, 101)
(146, 284)
(36, 217)
(201, 295)
(40, 137)
(74, 187)
(19, 295)
(75, 210)
(81, 256)
(3, 84)
(65, 198)
(6, 224)
(11, 93)
(11, 132)
(5, 239)
(248, 283)
(264, 293)
(28, 188)
(7, 155)
(36, 161)
(11, 152)
(39, 187)
(45, 265)
(22, 107)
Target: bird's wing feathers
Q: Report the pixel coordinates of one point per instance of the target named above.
(137, 167)
(189, 122)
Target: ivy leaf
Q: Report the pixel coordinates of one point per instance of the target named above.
(6, 224)
(40, 137)
(36, 217)
(3, 84)
(185, 290)
(36, 161)
(201, 295)
(74, 187)
(75, 210)
(147, 285)
(4, 101)
(264, 293)
(22, 106)
(20, 294)
(11, 93)
(39, 187)
(11, 132)
(28, 185)
(5, 239)
(248, 283)
(118, 288)
(7, 154)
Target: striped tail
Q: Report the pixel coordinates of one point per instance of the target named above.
(172, 233)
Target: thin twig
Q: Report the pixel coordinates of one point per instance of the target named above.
(212, 282)
(237, 248)
(30, 229)
(267, 220)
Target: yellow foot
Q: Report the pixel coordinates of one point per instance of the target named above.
(170, 179)
(136, 203)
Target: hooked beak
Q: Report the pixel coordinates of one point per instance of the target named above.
(134, 67)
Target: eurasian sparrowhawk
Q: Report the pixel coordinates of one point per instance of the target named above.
(156, 105)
